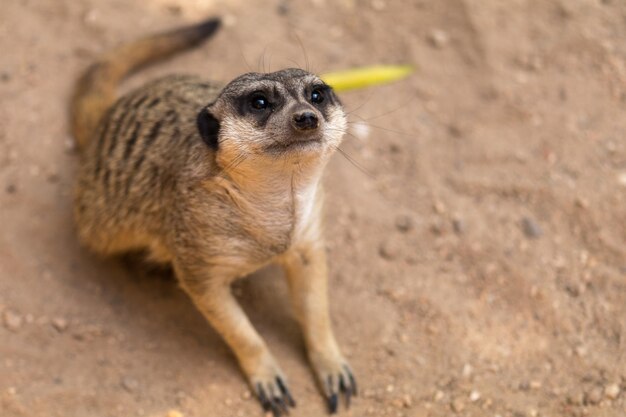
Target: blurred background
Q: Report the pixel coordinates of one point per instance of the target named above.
(477, 251)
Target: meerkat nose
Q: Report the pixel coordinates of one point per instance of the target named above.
(305, 120)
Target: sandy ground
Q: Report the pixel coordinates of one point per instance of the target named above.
(478, 257)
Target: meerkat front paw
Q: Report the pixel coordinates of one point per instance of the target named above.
(270, 386)
(335, 377)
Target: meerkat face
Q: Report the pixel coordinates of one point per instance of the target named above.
(289, 114)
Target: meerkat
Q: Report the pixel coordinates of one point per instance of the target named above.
(218, 181)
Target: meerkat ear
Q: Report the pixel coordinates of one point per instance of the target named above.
(209, 127)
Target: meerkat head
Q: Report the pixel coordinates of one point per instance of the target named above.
(291, 115)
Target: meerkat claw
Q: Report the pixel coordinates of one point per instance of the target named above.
(333, 404)
(285, 391)
(352, 389)
(275, 397)
(265, 403)
(341, 384)
(346, 392)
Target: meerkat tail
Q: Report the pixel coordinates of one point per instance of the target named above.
(95, 91)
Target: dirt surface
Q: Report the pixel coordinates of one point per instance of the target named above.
(477, 257)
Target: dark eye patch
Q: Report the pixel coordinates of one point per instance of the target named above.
(262, 99)
(326, 99)
(317, 96)
(259, 102)
(320, 94)
(259, 105)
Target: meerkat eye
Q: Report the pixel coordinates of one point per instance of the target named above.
(317, 96)
(259, 102)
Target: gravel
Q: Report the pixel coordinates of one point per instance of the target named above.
(531, 228)
(594, 396)
(458, 225)
(474, 396)
(12, 320)
(612, 391)
(60, 324)
(388, 250)
(438, 38)
(457, 405)
(403, 223)
(129, 384)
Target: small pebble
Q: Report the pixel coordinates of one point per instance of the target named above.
(432, 329)
(407, 401)
(580, 350)
(438, 38)
(60, 324)
(439, 395)
(458, 226)
(457, 405)
(474, 396)
(531, 228)
(12, 320)
(581, 202)
(612, 391)
(11, 189)
(621, 178)
(129, 384)
(467, 370)
(439, 207)
(594, 396)
(283, 8)
(388, 250)
(403, 223)
(174, 413)
(436, 227)
(576, 398)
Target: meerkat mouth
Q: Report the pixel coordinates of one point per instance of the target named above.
(295, 145)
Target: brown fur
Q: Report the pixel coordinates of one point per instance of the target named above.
(150, 179)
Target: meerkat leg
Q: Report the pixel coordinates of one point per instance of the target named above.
(308, 282)
(217, 303)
